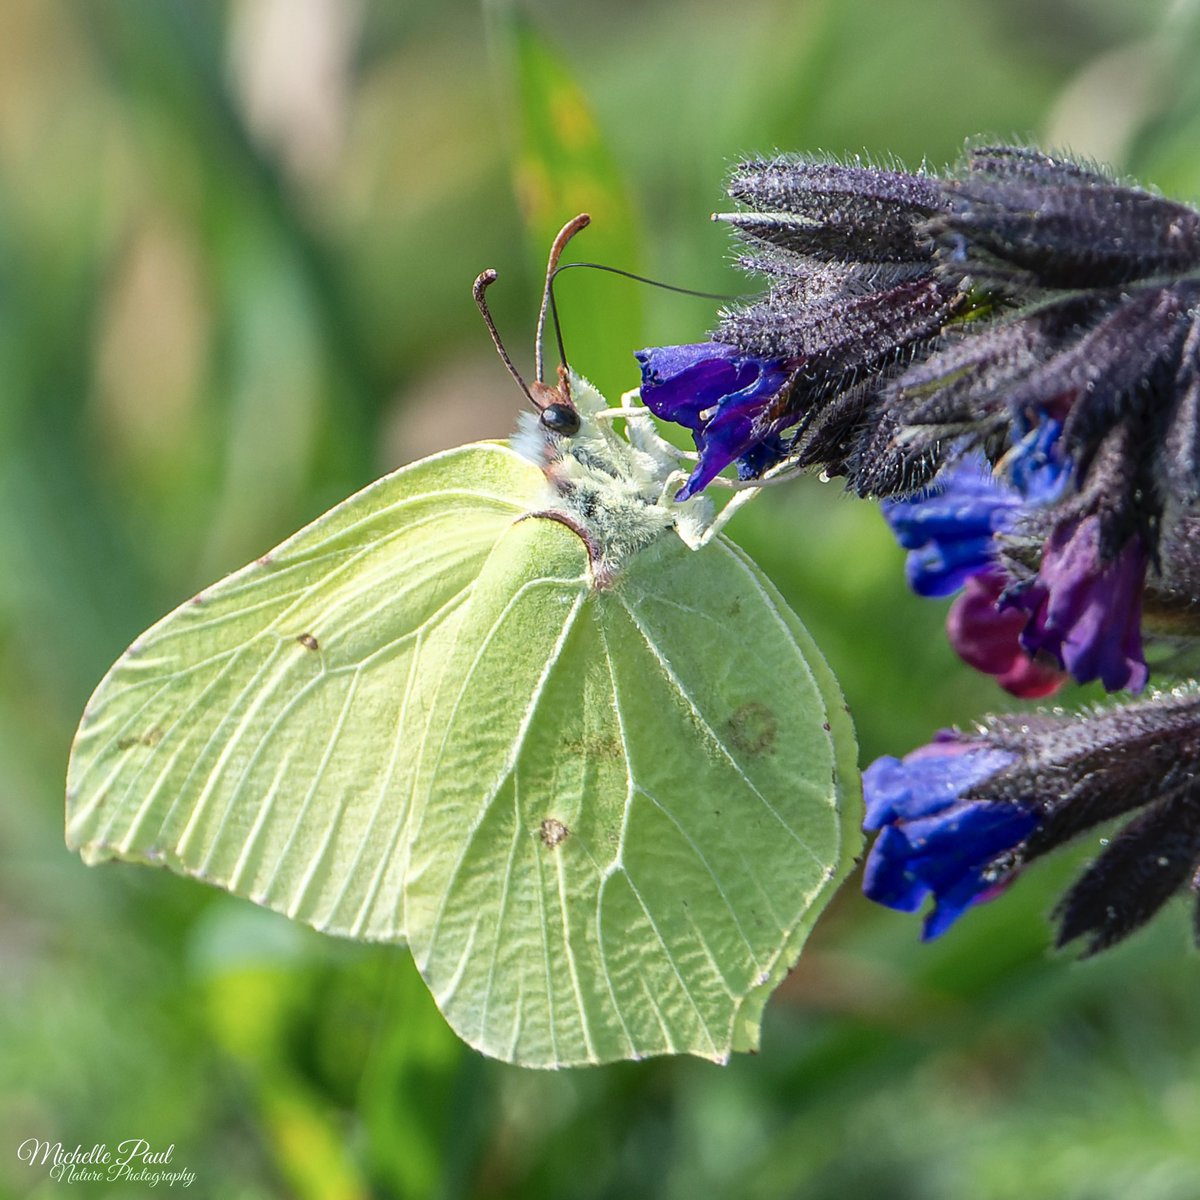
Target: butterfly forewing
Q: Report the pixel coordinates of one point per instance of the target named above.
(262, 736)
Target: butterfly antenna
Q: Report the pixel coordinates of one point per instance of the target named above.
(658, 283)
(668, 287)
(565, 234)
(478, 288)
(558, 337)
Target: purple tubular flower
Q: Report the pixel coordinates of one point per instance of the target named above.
(935, 839)
(722, 395)
(1085, 611)
(961, 817)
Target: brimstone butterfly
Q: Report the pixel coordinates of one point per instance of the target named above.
(515, 707)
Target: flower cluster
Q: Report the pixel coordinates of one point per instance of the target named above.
(950, 532)
(961, 816)
(1007, 355)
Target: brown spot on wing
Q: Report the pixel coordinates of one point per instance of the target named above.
(754, 728)
(150, 738)
(553, 833)
(595, 747)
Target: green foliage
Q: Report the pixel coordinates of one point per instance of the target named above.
(564, 167)
(211, 331)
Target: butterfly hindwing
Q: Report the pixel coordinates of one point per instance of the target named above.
(639, 796)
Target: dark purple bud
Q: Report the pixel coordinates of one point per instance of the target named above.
(1171, 601)
(1093, 380)
(1149, 861)
(882, 461)
(1085, 609)
(1028, 164)
(839, 334)
(835, 211)
(1181, 446)
(1056, 235)
(1087, 768)
(1132, 354)
(963, 386)
(826, 429)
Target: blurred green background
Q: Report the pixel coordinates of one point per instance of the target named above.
(236, 247)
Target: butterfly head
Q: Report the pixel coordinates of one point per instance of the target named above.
(616, 490)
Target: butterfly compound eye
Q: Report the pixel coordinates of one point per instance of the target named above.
(560, 418)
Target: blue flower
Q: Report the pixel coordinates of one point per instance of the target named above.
(1036, 465)
(935, 839)
(949, 532)
(959, 818)
(948, 529)
(724, 397)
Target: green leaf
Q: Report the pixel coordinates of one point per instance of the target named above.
(600, 781)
